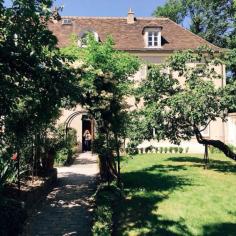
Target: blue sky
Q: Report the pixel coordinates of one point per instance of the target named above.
(106, 7)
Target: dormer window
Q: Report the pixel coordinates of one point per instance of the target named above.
(66, 21)
(152, 37)
(83, 37)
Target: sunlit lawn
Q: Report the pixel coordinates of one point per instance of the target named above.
(172, 194)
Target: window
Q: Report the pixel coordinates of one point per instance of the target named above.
(153, 37)
(67, 22)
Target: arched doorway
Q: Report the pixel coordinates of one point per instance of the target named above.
(87, 131)
(85, 122)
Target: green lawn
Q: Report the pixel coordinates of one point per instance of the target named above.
(172, 194)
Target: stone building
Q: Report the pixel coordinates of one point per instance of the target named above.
(151, 39)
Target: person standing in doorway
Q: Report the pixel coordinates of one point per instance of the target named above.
(87, 140)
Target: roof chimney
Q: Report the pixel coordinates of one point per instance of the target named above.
(130, 18)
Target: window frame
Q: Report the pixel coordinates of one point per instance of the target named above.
(66, 21)
(152, 37)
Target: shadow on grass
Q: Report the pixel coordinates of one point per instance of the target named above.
(165, 168)
(222, 229)
(147, 190)
(217, 165)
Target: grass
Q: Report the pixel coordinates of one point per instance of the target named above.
(172, 194)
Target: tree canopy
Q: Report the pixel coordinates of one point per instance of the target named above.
(215, 21)
(212, 20)
(34, 76)
(105, 86)
(180, 110)
(36, 81)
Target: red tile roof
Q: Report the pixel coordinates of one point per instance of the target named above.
(130, 36)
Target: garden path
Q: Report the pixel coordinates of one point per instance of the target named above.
(68, 208)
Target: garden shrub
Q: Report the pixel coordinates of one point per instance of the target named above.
(12, 217)
(8, 171)
(8, 168)
(61, 156)
(106, 197)
(176, 149)
(170, 149)
(186, 149)
(148, 149)
(161, 149)
(165, 149)
(132, 148)
(64, 148)
(157, 149)
(214, 150)
(181, 150)
(102, 221)
(232, 147)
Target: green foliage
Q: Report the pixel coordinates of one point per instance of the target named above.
(181, 150)
(228, 96)
(202, 13)
(173, 9)
(132, 148)
(148, 149)
(232, 147)
(186, 149)
(176, 149)
(61, 156)
(106, 198)
(165, 149)
(177, 110)
(161, 149)
(103, 221)
(171, 149)
(214, 150)
(105, 85)
(12, 217)
(7, 171)
(63, 146)
(36, 80)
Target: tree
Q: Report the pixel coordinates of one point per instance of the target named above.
(173, 9)
(105, 86)
(36, 81)
(212, 20)
(180, 111)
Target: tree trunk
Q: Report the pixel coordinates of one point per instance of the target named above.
(118, 160)
(107, 168)
(215, 143)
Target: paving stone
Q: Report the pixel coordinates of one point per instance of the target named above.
(67, 209)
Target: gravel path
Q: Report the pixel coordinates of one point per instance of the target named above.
(67, 209)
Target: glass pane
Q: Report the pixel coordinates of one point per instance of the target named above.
(149, 43)
(149, 38)
(149, 34)
(155, 34)
(155, 44)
